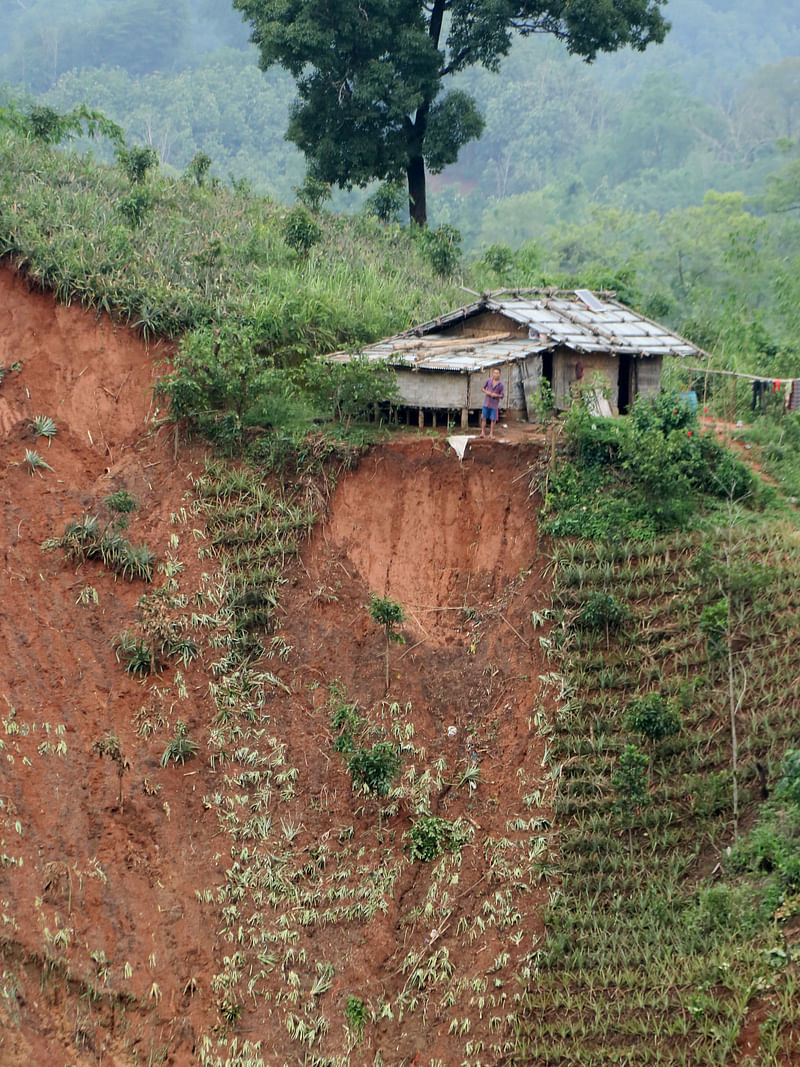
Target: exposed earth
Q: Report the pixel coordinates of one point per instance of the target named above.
(118, 942)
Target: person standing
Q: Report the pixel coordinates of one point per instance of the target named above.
(493, 392)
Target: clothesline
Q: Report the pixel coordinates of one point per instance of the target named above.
(741, 374)
(762, 385)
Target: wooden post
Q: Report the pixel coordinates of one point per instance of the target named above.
(420, 418)
(552, 447)
(464, 418)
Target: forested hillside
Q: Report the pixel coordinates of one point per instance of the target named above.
(716, 106)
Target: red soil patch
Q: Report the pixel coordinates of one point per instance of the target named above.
(99, 888)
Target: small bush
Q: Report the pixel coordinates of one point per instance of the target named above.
(788, 788)
(301, 231)
(652, 717)
(602, 611)
(772, 851)
(356, 1014)
(430, 836)
(198, 168)
(313, 193)
(387, 202)
(441, 247)
(136, 161)
(121, 500)
(374, 769)
(714, 626)
(388, 614)
(630, 781)
(348, 390)
(135, 206)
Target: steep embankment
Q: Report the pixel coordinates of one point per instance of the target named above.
(249, 895)
(82, 883)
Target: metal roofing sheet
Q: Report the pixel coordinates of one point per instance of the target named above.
(552, 319)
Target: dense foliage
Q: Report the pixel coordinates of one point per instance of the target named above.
(642, 475)
(370, 78)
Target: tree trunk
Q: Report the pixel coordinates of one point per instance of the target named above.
(417, 205)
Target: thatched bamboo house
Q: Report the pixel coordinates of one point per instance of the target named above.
(570, 339)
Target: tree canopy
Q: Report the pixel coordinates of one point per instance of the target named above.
(370, 74)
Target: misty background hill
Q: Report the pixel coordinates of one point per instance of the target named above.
(647, 131)
(672, 176)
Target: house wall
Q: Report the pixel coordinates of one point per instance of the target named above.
(596, 363)
(648, 374)
(433, 389)
(484, 324)
(456, 391)
(645, 374)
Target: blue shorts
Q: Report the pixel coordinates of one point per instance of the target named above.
(489, 413)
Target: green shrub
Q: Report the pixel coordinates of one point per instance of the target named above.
(135, 206)
(136, 161)
(121, 501)
(388, 614)
(346, 720)
(602, 611)
(387, 202)
(712, 793)
(356, 1014)
(630, 781)
(301, 231)
(652, 717)
(771, 850)
(313, 193)
(348, 390)
(374, 769)
(198, 168)
(788, 788)
(714, 626)
(630, 784)
(642, 475)
(499, 259)
(430, 836)
(440, 247)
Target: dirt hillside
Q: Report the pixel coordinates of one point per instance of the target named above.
(149, 932)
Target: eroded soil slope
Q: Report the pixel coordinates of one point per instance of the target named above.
(250, 895)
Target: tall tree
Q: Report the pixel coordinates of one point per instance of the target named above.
(370, 73)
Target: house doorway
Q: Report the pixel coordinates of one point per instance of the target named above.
(547, 368)
(626, 383)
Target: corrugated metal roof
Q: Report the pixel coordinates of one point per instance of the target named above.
(463, 354)
(552, 318)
